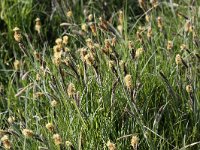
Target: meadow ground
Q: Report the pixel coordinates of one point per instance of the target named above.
(99, 75)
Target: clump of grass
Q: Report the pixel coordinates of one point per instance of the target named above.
(101, 81)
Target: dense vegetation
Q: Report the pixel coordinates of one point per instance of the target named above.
(93, 74)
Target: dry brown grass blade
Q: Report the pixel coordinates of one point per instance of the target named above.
(190, 145)
(22, 90)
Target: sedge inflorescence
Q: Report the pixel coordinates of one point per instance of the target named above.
(100, 75)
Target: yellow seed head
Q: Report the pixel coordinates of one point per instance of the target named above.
(17, 64)
(120, 28)
(108, 47)
(90, 17)
(4, 138)
(114, 41)
(69, 14)
(38, 25)
(122, 64)
(38, 94)
(134, 142)
(57, 58)
(93, 29)
(27, 133)
(58, 41)
(37, 20)
(183, 47)
(83, 52)
(178, 59)
(147, 17)
(11, 119)
(54, 103)
(159, 23)
(17, 34)
(128, 81)
(149, 32)
(130, 45)
(141, 3)
(56, 48)
(111, 64)
(71, 90)
(139, 36)
(84, 27)
(188, 26)
(96, 45)
(139, 52)
(17, 37)
(154, 3)
(169, 45)
(50, 127)
(16, 29)
(38, 77)
(141, 29)
(189, 88)
(6, 142)
(107, 43)
(68, 143)
(120, 19)
(57, 55)
(37, 55)
(66, 49)
(111, 146)
(57, 139)
(89, 59)
(65, 39)
(89, 43)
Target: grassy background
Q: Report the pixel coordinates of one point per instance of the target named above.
(161, 113)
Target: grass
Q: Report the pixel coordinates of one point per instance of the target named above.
(101, 86)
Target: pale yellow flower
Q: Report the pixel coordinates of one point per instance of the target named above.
(65, 39)
(189, 88)
(159, 23)
(17, 37)
(149, 32)
(178, 59)
(120, 28)
(188, 26)
(11, 119)
(139, 52)
(128, 81)
(183, 47)
(50, 127)
(169, 45)
(6, 142)
(38, 25)
(58, 41)
(69, 14)
(134, 142)
(68, 143)
(57, 139)
(90, 17)
(89, 43)
(54, 103)
(17, 64)
(84, 27)
(27, 133)
(71, 89)
(111, 146)
(89, 59)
